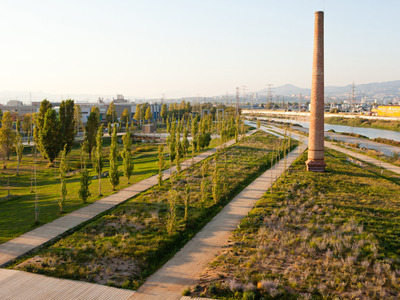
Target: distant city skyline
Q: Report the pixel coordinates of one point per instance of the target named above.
(145, 49)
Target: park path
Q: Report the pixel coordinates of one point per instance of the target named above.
(19, 285)
(185, 267)
(33, 239)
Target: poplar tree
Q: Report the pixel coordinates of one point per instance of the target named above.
(19, 148)
(67, 123)
(98, 155)
(113, 174)
(187, 200)
(204, 183)
(84, 192)
(172, 211)
(39, 122)
(7, 137)
(92, 125)
(164, 112)
(111, 115)
(50, 136)
(127, 155)
(161, 164)
(148, 116)
(216, 179)
(63, 175)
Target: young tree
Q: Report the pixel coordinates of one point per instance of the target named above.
(84, 192)
(138, 116)
(7, 137)
(187, 200)
(109, 129)
(67, 123)
(148, 116)
(63, 175)
(125, 117)
(161, 163)
(203, 183)
(39, 122)
(27, 124)
(98, 155)
(164, 112)
(50, 136)
(111, 115)
(172, 210)
(258, 124)
(78, 118)
(91, 128)
(127, 155)
(216, 179)
(172, 144)
(185, 141)
(114, 173)
(178, 156)
(19, 148)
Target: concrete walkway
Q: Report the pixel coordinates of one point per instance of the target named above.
(35, 238)
(17, 285)
(184, 268)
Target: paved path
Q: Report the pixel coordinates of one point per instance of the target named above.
(184, 268)
(35, 238)
(15, 285)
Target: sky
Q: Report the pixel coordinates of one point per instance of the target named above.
(147, 48)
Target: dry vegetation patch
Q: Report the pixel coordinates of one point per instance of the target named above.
(332, 235)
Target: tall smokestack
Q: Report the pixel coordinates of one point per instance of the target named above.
(315, 162)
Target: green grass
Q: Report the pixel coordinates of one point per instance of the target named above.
(125, 246)
(317, 236)
(17, 212)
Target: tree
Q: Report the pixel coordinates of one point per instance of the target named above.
(49, 136)
(7, 137)
(111, 115)
(19, 148)
(91, 128)
(148, 116)
(258, 124)
(84, 192)
(114, 173)
(39, 122)
(185, 141)
(96, 110)
(172, 207)
(164, 112)
(63, 175)
(161, 163)
(125, 117)
(27, 124)
(67, 123)
(78, 118)
(138, 116)
(98, 155)
(187, 200)
(127, 155)
(216, 179)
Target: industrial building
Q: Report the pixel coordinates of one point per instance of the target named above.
(388, 110)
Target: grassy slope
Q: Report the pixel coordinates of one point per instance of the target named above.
(124, 247)
(332, 234)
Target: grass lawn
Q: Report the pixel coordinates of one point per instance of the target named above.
(125, 246)
(17, 213)
(318, 236)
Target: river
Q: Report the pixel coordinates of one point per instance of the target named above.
(369, 132)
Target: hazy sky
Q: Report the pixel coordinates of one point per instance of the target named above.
(145, 48)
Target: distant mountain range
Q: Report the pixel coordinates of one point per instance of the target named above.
(377, 88)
